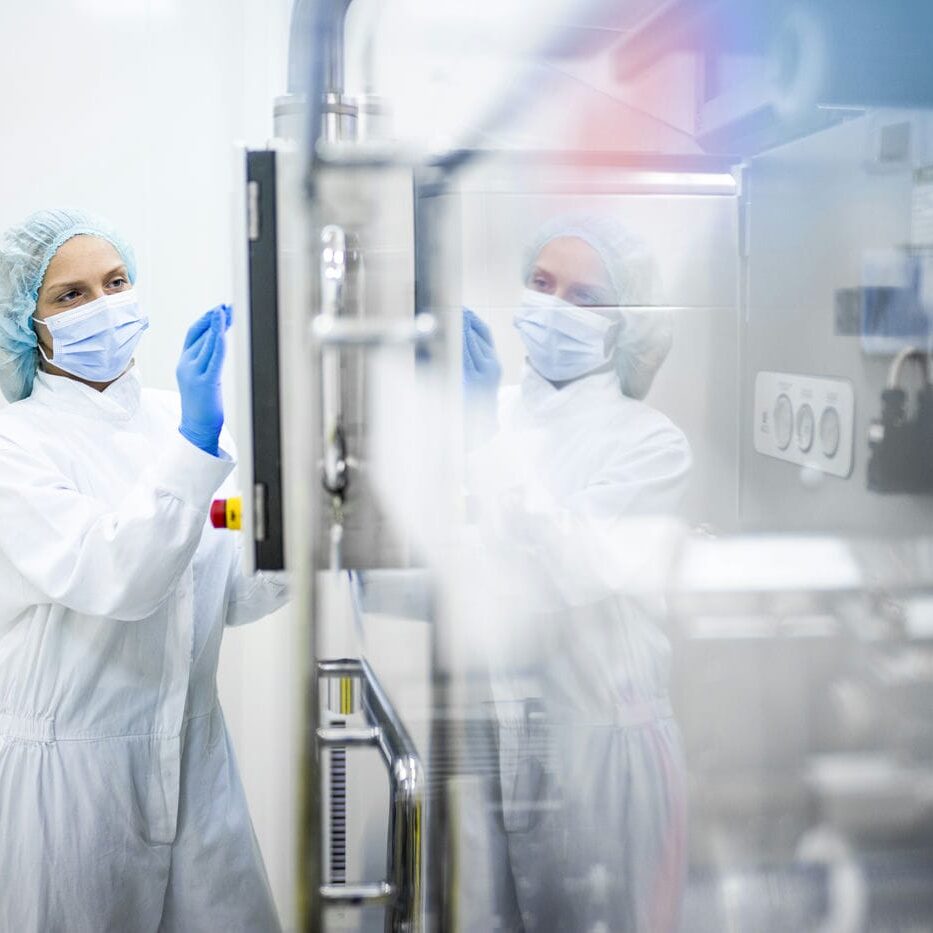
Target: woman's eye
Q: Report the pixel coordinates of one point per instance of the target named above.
(68, 296)
(118, 282)
(590, 300)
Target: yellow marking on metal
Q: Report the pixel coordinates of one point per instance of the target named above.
(346, 696)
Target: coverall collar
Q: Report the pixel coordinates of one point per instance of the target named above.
(118, 402)
(542, 397)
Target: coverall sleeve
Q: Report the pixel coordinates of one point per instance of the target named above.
(254, 597)
(648, 480)
(78, 552)
(612, 535)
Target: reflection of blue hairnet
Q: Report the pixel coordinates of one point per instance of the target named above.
(646, 335)
(25, 253)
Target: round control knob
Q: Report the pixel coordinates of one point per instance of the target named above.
(805, 427)
(829, 431)
(783, 421)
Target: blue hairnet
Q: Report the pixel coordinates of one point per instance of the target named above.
(25, 253)
(647, 333)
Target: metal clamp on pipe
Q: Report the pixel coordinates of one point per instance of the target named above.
(329, 331)
(402, 892)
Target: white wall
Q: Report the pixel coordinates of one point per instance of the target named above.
(130, 108)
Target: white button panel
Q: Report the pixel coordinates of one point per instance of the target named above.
(805, 420)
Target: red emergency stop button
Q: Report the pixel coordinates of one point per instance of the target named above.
(227, 513)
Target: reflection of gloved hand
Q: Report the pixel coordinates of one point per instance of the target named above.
(198, 374)
(481, 369)
(481, 375)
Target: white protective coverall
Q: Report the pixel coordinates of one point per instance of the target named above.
(121, 808)
(571, 493)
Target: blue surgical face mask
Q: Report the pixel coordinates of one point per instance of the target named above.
(96, 341)
(563, 341)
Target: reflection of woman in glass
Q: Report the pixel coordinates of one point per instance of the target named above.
(590, 762)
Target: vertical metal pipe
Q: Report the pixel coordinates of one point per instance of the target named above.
(334, 70)
(315, 66)
(310, 913)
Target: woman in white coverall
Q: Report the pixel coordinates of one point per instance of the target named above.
(121, 808)
(571, 491)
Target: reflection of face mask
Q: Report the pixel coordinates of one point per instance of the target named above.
(96, 341)
(563, 341)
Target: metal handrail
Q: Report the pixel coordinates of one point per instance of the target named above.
(402, 891)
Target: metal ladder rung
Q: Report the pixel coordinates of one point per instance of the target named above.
(357, 895)
(349, 737)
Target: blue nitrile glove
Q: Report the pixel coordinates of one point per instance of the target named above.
(481, 369)
(198, 374)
